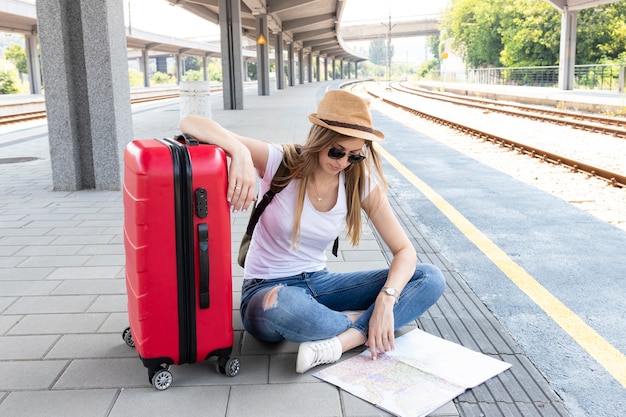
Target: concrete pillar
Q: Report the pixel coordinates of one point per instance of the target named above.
(319, 67)
(292, 65)
(179, 68)
(146, 69)
(262, 55)
(85, 70)
(567, 54)
(205, 71)
(326, 69)
(32, 64)
(279, 62)
(232, 55)
(310, 67)
(301, 65)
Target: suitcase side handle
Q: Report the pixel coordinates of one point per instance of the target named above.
(187, 139)
(203, 250)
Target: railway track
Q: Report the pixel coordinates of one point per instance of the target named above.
(36, 115)
(615, 179)
(588, 122)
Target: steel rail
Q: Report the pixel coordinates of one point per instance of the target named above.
(614, 179)
(592, 123)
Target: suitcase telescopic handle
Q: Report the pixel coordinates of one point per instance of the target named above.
(203, 250)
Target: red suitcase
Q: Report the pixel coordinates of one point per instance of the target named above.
(178, 255)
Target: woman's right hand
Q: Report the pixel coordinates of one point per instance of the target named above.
(241, 191)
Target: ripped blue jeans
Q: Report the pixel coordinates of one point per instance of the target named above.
(309, 306)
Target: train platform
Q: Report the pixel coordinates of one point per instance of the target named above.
(63, 295)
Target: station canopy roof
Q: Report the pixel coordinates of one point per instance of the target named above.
(312, 25)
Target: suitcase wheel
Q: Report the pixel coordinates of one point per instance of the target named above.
(128, 337)
(229, 366)
(161, 378)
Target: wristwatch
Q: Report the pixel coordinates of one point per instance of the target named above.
(390, 291)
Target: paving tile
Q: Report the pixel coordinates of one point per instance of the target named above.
(25, 240)
(76, 231)
(252, 346)
(91, 272)
(109, 303)
(75, 403)
(21, 375)
(10, 250)
(110, 249)
(52, 304)
(279, 400)
(115, 323)
(7, 322)
(59, 323)
(355, 407)
(82, 346)
(254, 370)
(175, 401)
(49, 250)
(82, 240)
(5, 302)
(11, 261)
(105, 260)
(25, 288)
(88, 286)
(103, 373)
(54, 261)
(25, 347)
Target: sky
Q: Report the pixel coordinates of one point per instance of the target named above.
(158, 16)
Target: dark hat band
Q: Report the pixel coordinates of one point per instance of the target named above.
(349, 126)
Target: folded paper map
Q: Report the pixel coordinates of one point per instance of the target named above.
(423, 373)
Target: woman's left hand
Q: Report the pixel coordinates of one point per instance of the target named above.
(381, 327)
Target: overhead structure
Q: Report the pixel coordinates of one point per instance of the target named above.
(567, 54)
(304, 27)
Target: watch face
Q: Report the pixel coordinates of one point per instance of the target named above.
(389, 291)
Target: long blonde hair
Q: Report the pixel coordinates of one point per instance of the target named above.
(302, 162)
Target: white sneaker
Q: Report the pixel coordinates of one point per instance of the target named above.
(318, 352)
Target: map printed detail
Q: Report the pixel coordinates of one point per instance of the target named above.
(423, 373)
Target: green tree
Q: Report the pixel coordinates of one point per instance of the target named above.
(530, 31)
(474, 26)
(193, 63)
(215, 69)
(601, 34)
(17, 55)
(378, 52)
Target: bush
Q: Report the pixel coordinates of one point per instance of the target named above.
(158, 78)
(193, 75)
(7, 83)
(135, 78)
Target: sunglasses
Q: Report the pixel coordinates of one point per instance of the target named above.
(334, 153)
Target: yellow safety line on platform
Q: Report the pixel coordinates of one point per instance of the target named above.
(600, 349)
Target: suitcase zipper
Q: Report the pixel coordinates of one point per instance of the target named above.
(185, 262)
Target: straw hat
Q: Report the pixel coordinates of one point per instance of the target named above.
(347, 114)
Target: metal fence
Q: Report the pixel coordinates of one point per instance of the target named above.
(608, 77)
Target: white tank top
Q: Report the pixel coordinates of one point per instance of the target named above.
(271, 253)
